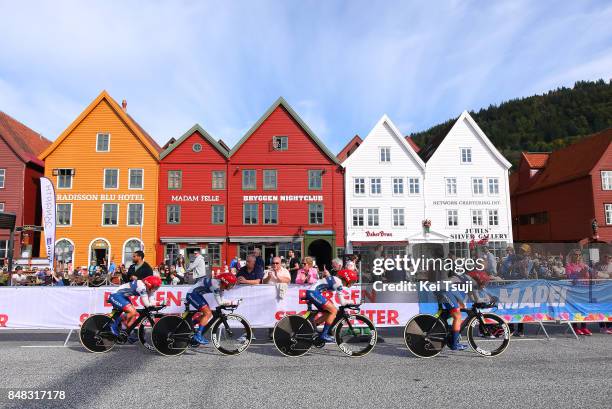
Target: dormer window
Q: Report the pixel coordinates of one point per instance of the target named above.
(280, 143)
(103, 142)
(466, 155)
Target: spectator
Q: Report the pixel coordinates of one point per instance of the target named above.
(294, 265)
(258, 259)
(490, 262)
(112, 267)
(308, 274)
(18, 277)
(577, 270)
(277, 274)
(57, 279)
(235, 263)
(140, 268)
(180, 265)
(604, 267)
(558, 271)
(251, 273)
(336, 266)
(91, 270)
(172, 279)
(198, 267)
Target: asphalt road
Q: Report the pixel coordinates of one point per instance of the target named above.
(532, 373)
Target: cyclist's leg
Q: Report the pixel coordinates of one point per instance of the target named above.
(121, 303)
(198, 301)
(453, 305)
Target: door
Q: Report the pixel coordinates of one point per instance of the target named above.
(268, 252)
(321, 250)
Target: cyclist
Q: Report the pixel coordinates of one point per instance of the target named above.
(344, 278)
(195, 297)
(144, 289)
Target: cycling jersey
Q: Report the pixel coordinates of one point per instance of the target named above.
(120, 298)
(331, 283)
(205, 285)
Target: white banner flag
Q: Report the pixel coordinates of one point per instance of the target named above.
(48, 216)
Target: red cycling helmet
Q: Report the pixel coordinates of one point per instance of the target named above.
(349, 276)
(152, 281)
(228, 279)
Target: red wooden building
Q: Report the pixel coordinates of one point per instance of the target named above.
(193, 197)
(286, 190)
(557, 196)
(20, 171)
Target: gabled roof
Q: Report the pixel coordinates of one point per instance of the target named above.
(146, 139)
(428, 151)
(281, 102)
(413, 144)
(536, 160)
(349, 148)
(572, 162)
(26, 143)
(201, 131)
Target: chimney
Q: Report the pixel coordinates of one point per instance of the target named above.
(124, 105)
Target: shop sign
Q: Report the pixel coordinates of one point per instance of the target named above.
(381, 233)
(480, 234)
(283, 198)
(466, 202)
(106, 197)
(194, 198)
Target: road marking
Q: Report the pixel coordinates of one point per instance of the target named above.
(66, 346)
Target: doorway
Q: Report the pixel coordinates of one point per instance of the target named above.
(321, 250)
(269, 251)
(99, 252)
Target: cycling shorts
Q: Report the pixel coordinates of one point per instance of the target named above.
(316, 297)
(119, 301)
(196, 299)
(450, 300)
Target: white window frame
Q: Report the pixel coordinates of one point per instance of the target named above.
(104, 179)
(109, 141)
(2, 206)
(127, 221)
(280, 138)
(489, 180)
(3, 172)
(448, 183)
(363, 179)
(608, 212)
(71, 208)
(401, 217)
(393, 184)
(479, 213)
(71, 178)
(456, 216)
(368, 216)
(470, 154)
(387, 155)
(474, 179)
(490, 212)
(130, 179)
(411, 184)
(379, 184)
(118, 215)
(363, 217)
(606, 176)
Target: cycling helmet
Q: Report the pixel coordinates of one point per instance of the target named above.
(349, 276)
(152, 281)
(228, 279)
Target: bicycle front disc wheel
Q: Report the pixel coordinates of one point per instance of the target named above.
(171, 335)
(293, 335)
(231, 335)
(356, 336)
(96, 335)
(425, 335)
(488, 335)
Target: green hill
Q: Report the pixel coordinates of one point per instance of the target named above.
(540, 123)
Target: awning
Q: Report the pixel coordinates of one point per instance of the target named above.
(265, 239)
(192, 239)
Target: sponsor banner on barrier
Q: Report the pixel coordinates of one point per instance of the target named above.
(543, 300)
(262, 306)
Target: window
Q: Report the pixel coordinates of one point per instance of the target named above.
(1, 206)
(398, 217)
(172, 253)
(218, 179)
(385, 154)
(477, 186)
(373, 219)
(3, 249)
(357, 217)
(283, 249)
(110, 214)
(2, 178)
(111, 178)
(460, 249)
(493, 186)
(533, 218)
(451, 186)
(249, 179)
(130, 247)
(375, 186)
(218, 214)
(608, 210)
(476, 217)
(175, 179)
(269, 176)
(452, 218)
(64, 178)
(214, 254)
(414, 186)
(64, 214)
(359, 186)
(135, 214)
(173, 214)
(466, 155)
(280, 143)
(606, 179)
(136, 179)
(196, 147)
(103, 142)
(270, 213)
(250, 211)
(493, 217)
(64, 251)
(315, 213)
(315, 179)
(398, 186)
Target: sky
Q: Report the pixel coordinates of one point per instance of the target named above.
(340, 64)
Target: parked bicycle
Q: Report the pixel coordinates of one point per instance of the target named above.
(487, 333)
(294, 335)
(96, 334)
(231, 333)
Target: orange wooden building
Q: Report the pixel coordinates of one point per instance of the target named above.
(105, 169)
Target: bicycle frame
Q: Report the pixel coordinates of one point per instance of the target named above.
(142, 314)
(444, 315)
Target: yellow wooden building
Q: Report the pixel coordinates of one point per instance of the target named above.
(104, 167)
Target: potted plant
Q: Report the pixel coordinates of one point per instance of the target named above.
(426, 225)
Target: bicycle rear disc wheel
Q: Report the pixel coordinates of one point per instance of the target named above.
(96, 335)
(234, 338)
(171, 335)
(489, 337)
(145, 334)
(293, 335)
(425, 335)
(356, 337)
